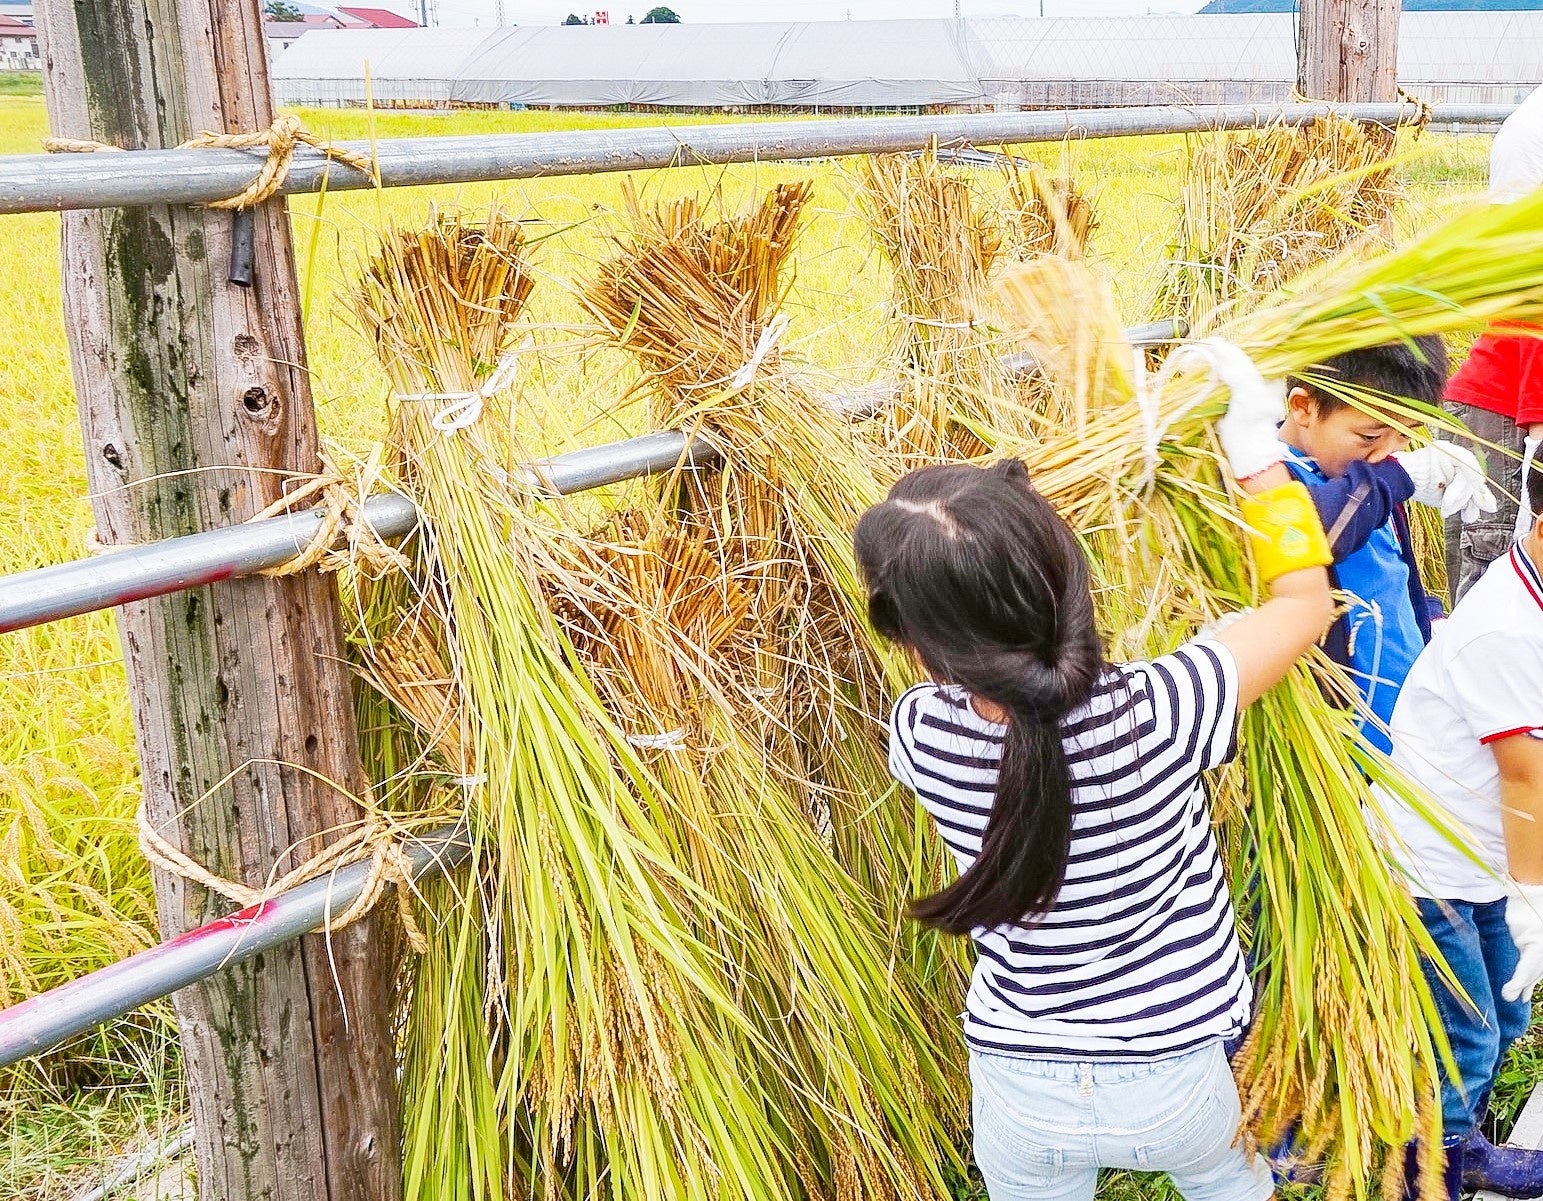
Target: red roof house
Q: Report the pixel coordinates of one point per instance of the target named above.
(18, 45)
(377, 18)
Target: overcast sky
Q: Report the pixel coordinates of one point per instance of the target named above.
(550, 12)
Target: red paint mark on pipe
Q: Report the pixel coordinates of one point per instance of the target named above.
(213, 575)
(182, 583)
(242, 919)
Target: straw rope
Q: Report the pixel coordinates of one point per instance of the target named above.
(374, 841)
(343, 521)
(76, 146)
(280, 140)
(1423, 112)
(344, 539)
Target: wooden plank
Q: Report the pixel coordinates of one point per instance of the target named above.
(194, 401)
(1347, 50)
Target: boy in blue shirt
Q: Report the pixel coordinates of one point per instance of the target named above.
(1359, 475)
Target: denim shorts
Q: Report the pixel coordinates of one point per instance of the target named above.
(1043, 1127)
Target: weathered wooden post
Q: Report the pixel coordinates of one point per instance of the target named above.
(194, 401)
(1347, 50)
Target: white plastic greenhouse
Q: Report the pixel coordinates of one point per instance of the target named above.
(1465, 57)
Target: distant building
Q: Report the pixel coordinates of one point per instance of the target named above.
(20, 9)
(374, 18)
(281, 35)
(18, 45)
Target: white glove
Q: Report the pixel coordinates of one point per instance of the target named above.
(1524, 515)
(1524, 918)
(1448, 477)
(1257, 407)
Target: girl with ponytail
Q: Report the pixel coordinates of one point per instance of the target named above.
(1108, 979)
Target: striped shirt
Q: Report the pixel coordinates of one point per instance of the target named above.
(1138, 957)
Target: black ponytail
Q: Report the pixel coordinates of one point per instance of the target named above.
(974, 571)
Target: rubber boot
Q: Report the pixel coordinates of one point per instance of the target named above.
(1509, 1171)
(1289, 1164)
(1451, 1176)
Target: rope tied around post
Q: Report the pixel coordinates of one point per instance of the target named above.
(374, 840)
(280, 140)
(345, 537)
(1423, 112)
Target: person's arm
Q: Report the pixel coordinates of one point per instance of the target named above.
(1289, 545)
(1266, 641)
(1359, 503)
(1520, 760)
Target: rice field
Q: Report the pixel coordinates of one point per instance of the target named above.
(75, 894)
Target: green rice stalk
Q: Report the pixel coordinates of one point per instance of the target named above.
(1347, 1038)
(659, 984)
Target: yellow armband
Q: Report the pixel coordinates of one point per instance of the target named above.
(1285, 531)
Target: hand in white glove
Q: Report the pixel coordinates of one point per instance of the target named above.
(1448, 477)
(1257, 407)
(1524, 515)
(1524, 918)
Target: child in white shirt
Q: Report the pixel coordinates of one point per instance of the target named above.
(1468, 727)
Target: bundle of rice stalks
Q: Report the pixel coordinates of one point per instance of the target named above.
(697, 302)
(1344, 1048)
(1050, 214)
(658, 982)
(942, 246)
(1258, 208)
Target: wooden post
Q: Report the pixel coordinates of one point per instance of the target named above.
(194, 403)
(1347, 50)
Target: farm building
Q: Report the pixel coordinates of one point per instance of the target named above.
(1003, 63)
(18, 45)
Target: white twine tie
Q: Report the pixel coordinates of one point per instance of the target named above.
(764, 345)
(673, 741)
(461, 409)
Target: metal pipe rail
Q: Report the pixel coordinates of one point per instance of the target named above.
(50, 1018)
(51, 182)
(67, 589)
(137, 573)
(30, 598)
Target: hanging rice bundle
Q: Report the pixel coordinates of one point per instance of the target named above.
(1258, 208)
(656, 981)
(548, 1016)
(1049, 214)
(697, 302)
(1342, 1051)
(942, 246)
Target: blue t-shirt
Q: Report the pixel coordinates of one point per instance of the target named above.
(1382, 633)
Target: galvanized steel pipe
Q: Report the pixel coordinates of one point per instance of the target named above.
(50, 1018)
(137, 573)
(177, 564)
(45, 182)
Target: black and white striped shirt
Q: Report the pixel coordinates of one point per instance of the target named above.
(1138, 956)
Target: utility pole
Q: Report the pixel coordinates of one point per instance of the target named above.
(498, 13)
(1347, 50)
(195, 404)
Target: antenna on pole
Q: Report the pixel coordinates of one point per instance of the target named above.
(498, 13)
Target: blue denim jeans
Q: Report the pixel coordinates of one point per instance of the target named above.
(1472, 937)
(1043, 1127)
